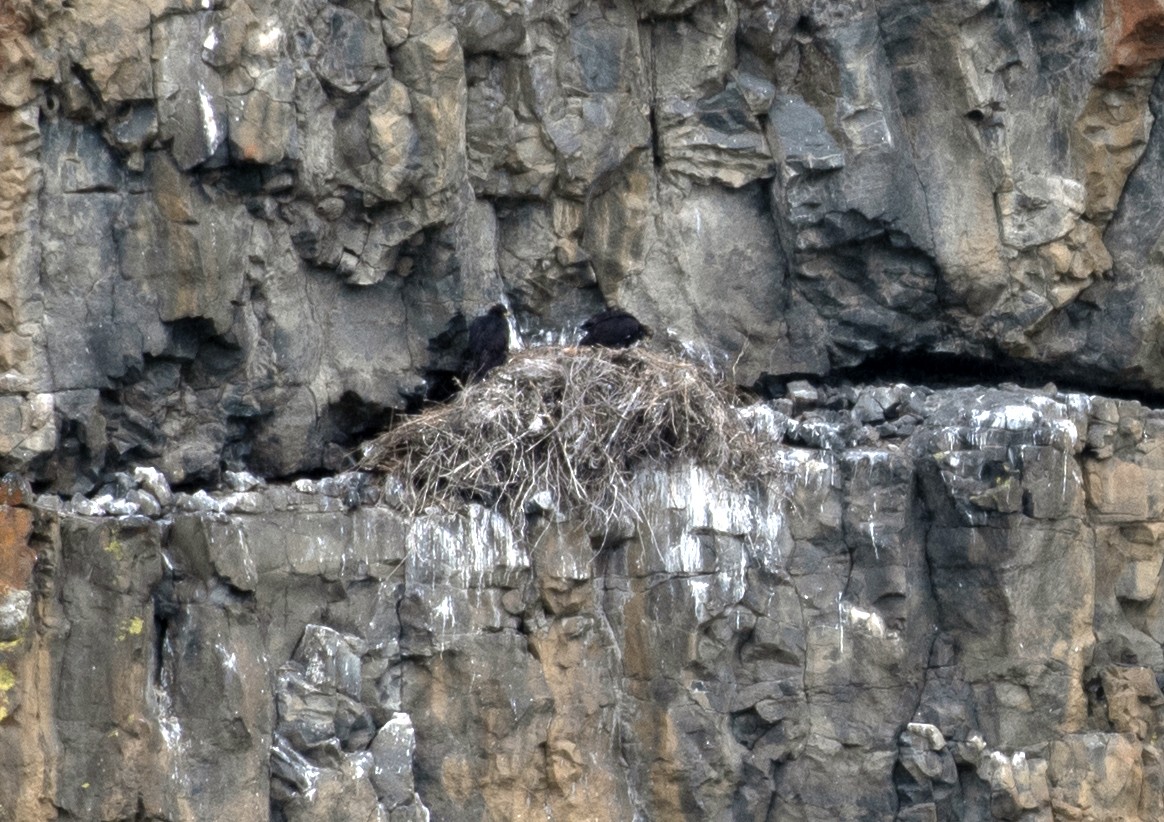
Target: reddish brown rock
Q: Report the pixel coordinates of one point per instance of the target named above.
(16, 556)
(1133, 35)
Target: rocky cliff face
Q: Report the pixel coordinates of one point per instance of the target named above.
(956, 612)
(238, 236)
(236, 233)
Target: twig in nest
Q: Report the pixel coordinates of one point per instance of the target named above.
(576, 423)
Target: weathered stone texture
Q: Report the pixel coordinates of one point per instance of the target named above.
(269, 213)
(951, 612)
(238, 235)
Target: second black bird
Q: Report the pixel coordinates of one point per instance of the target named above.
(488, 343)
(613, 328)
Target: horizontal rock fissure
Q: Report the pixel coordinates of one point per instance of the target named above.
(837, 637)
(939, 371)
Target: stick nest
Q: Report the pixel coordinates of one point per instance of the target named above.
(577, 423)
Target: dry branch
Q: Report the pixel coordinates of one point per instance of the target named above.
(577, 423)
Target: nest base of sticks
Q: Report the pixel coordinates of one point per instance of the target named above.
(577, 423)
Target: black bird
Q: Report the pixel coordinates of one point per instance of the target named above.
(488, 342)
(613, 328)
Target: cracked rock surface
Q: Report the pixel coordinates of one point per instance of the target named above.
(237, 234)
(949, 607)
(238, 237)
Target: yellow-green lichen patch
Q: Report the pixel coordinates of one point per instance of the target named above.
(114, 547)
(133, 626)
(7, 683)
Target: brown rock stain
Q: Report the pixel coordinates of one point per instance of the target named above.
(668, 773)
(584, 769)
(1133, 37)
(28, 746)
(16, 557)
(457, 778)
(1108, 139)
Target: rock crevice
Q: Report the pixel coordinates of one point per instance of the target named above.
(943, 605)
(260, 210)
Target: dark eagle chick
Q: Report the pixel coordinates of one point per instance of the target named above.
(613, 328)
(488, 342)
